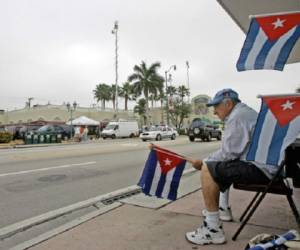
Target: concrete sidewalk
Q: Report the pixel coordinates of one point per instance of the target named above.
(141, 222)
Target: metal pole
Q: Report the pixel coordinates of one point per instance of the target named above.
(188, 79)
(71, 112)
(115, 31)
(167, 103)
(166, 79)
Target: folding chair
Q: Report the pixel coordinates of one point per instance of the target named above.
(279, 184)
(273, 143)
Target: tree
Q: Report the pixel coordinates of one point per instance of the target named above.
(183, 92)
(141, 110)
(127, 93)
(179, 108)
(298, 90)
(146, 80)
(102, 93)
(180, 111)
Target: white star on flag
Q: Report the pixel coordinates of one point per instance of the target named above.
(278, 23)
(167, 162)
(287, 105)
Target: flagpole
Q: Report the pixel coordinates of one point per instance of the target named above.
(279, 95)
(275, 14)
(166, 151)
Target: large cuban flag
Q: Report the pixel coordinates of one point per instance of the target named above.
(278, 125)
(162, 173)
(269, 41)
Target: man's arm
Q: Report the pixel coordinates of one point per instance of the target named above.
(236, 138)
(197, 164)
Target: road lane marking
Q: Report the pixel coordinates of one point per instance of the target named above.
(129, 144)
(50, 168)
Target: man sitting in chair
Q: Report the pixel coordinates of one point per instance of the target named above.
(226, 166)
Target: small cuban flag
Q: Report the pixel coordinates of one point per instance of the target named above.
(277, 126)
(269, 41)
(162, 173)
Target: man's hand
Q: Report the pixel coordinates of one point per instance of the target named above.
(197, 164)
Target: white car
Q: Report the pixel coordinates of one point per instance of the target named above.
(158, 133)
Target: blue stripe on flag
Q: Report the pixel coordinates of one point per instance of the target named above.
(262, 55)
(257, 130)
(160, 185)
(276, 144)
(286, 50)
(175, 182)
(148, 173)
(248, 44)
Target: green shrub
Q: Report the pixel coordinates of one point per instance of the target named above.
(5, 137)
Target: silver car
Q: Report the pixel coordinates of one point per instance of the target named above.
(158, 133)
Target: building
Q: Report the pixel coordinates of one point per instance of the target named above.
(60, 113)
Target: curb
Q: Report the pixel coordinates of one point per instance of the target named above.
(65, 227)
(106, 199)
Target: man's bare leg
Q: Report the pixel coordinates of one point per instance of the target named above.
(210, 190)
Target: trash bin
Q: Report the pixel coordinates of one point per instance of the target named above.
(59, 136)
(53, 138)
(35, 139)
(42, 139)
(47, 138)
(28, 139)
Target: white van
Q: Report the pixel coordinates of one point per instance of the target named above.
(121, 129)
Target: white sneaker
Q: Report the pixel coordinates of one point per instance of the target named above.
(225, 214)
(206, 235)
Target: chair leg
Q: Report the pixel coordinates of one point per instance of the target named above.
(251, 212)
(294, 209)
(249, 206)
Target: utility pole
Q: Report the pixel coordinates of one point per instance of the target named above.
(167, 98)
(188, 79)
(29, 101)
(115, 32)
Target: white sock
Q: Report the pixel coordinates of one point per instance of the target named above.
(212, 219)
(224, 199)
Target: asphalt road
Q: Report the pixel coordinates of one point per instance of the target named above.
(37, 180)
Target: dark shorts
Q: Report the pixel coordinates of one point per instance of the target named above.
(229, 172)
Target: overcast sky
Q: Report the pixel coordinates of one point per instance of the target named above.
(58, 50)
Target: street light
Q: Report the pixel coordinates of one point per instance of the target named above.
(71, 109)
(188, 79)
(115, 32)
(166, 79)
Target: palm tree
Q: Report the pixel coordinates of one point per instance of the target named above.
(102, 93)
(182, 92)
(141, 109)
(127, 92)
(171, 90)
(146, 80)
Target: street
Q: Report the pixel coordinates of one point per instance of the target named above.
(34, 181)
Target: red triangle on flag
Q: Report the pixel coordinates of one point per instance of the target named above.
(276, 26)
(284, 108)
(167, 161)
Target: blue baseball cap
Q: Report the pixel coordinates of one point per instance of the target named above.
(222, 94)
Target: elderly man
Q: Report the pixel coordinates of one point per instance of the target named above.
(226, 166)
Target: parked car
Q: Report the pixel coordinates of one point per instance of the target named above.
(55, 129)
(158, 133)
(203, 130)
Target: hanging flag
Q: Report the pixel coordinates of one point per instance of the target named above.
(277, 126)
(162, 173)
(269, 41)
